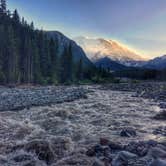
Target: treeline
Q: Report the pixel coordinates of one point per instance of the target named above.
(142, 74)
(28, 55)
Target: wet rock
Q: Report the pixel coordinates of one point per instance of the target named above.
(98, 163)
(161, 115)
(160, 130)
(104, 141)
(42, 149)
(22, 157)
(128, 132)
(162, 105)
(157, 152)
(31, 163)
(91, 152)
(139, 148)
(115, 146)
(3, 160)
(161, 146)
(158, 162)
(61, 146)
(102, 152)
(20, 98)
(77, 160)
(35, 163)
(122, 158)
(152, 143)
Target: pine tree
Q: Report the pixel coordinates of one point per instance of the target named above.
(54, 61)
(28, 55)
(79, 70)
(16, 18)
(12, 56)
(70, 64)
(3, 6)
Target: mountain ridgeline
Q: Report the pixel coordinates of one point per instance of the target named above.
(28, 55)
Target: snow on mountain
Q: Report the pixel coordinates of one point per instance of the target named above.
(157, 63)
(100, 48)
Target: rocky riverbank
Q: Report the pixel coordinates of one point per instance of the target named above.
(103, 127)
(151, 90)
(19, 98)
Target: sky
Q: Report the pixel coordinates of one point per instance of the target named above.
(139, 24)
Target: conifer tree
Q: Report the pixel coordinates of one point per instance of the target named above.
(3, 6)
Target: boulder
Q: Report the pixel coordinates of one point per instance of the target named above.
(22, 157)
(104, 141)
(128, 132)
(115, 146)
(139, 148)
(122, 158)
(157, 152)
(161, 115)
(76, 159)
(158, 162)
(42, 149)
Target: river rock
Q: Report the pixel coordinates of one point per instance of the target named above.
(22, 157)
(161, 115)
(122, 158)
(139, 148)
(157, 152)
(128, 132)
(158, 162)
(76, 159)
(42, 149)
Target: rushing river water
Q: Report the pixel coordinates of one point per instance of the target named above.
(79, 123)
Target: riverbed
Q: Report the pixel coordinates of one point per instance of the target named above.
(73, 126)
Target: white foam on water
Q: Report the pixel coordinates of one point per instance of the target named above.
(84, 121)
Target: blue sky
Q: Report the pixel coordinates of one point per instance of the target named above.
(139, 24)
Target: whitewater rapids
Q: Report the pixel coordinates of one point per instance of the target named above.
(79, 123)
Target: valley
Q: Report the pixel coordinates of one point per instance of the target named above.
(110, 118)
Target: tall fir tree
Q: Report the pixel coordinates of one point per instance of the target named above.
(3, 6)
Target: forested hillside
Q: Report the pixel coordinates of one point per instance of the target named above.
(28, 55)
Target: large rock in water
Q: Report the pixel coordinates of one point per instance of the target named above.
(64, 42)
(160, 115)
(42, 149)
(122, 158)
(128, 132)
(158, 162)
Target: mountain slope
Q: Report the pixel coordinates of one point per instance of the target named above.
(107, 63)
(64, 42)
(100, 48)
(32, 56)
(156, 63)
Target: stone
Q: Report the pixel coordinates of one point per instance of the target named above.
(157, 152)
(91, 152)
(128, 132)
(22, 157)
(42, 149)
(97, 162)
(75, 159)
(158, 162)
(161, 115)
(104, 141)
(122, 158)
(139, 148)
(115, 146)
(3, 160)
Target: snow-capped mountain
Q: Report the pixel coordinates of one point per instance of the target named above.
(156, 63)
(99, 48)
